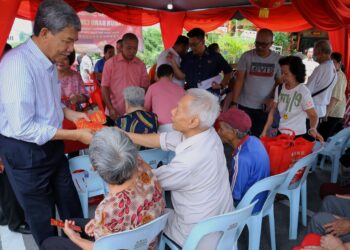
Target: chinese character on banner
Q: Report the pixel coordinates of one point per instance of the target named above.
(98, 29)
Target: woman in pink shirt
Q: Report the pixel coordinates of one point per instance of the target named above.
(163, 96)
(73, 91)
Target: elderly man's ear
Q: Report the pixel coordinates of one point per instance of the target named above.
(194, 123)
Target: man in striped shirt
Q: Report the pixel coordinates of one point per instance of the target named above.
(31, 116)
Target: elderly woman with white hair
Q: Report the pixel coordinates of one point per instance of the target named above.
(197, 176)
(134, 198)
(136, 119)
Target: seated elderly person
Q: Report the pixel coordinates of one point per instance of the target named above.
(250, 161)
(197, 176)
(134, 198)
(163, 96)
(73, 91)
(136, 119)
(333, 217)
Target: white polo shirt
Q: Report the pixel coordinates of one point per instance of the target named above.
(198, 180)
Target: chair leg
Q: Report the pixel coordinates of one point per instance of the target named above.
(335, 169)
(254, 227)
(84, 202)
(272, 229)
(304, 203)
(323, 159)
(294, 213)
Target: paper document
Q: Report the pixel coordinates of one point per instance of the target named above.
(206, 84)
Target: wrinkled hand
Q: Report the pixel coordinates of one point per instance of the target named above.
(74, 99)
(113, 114)
(89, 228)
(332, 243)
(316, 135)
(2, 167)
(74, 115)
(339, 227)
(84, 135)
(216, 85)
(69, 231)
(263, 134)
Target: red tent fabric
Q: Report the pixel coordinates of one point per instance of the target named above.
(329, 15)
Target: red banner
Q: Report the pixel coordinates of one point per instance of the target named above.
(98, 29)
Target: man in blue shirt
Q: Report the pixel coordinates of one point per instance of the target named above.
(201, 64)
(108, 52)
(31, 115)
(250, 161)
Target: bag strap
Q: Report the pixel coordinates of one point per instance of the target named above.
(320, 91)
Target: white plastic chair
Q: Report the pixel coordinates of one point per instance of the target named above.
(230, 224)
(334, 148)
(293, 193)
(139, 238)
(270, 185)
(94, 185)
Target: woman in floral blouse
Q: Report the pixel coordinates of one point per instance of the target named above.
(73, 91)
(135, 196)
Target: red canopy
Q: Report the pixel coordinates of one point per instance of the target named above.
(329, 15)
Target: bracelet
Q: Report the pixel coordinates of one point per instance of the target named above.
(310, 129)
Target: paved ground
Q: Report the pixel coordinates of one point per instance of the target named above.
(15, 241)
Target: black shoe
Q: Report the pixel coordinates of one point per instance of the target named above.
(22, 229)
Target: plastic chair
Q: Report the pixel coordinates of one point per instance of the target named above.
(269, 184)
(230, 224)
(292, 191)
(139, 238)
(155, 157)
(334, 148)
(94, 184)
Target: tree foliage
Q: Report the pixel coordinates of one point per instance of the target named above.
(153, 46)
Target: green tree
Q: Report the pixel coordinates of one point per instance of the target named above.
(153, 46)
(233, 47)
(281, 39)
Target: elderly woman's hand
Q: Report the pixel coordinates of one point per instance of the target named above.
(332, 243)
(316, 135)
(89, 228)
(68, 224)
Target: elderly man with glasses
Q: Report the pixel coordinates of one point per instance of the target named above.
(258, 73)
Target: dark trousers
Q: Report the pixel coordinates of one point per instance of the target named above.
(258, 117)
(11, 212)
(40, 178)
(63, 243)
(330, 127)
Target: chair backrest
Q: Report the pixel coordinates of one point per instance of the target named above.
(269, 185)
(81, 162)
(80, 181)
(139, 238)
(154, 156)
(339, 139)
(305, 162)
(229, 224)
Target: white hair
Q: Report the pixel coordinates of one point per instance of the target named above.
(134, 96)
(205, 105)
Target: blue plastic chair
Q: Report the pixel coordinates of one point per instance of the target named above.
(334, 148)
(269, 184)
(230, 224)
(154, 156)
(139, 238)
(94, 183)
(292, 191)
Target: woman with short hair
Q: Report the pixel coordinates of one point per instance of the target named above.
(293, 101)
(134, 198)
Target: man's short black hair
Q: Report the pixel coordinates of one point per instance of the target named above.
(337, 57)
(181, 40)
(196, 32)
(106, 48)
(164, 70)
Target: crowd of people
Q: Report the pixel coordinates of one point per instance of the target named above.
(180, 112)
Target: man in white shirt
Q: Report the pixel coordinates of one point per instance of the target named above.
(179, 49)
(86, 68)
(309, 63)
(197, 176)
(323, 79)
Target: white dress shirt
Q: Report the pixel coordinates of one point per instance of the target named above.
(30, 95)
(162, 59)
(198, 180)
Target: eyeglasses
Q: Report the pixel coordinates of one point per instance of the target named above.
(262, 44)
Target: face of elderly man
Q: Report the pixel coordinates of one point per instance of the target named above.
(181, 117)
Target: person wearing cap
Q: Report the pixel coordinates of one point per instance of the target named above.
(250, 161)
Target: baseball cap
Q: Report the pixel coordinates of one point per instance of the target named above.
(237, 119)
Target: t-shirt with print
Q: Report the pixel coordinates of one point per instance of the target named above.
(292, 104)
(339, 93)
(261, 73)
